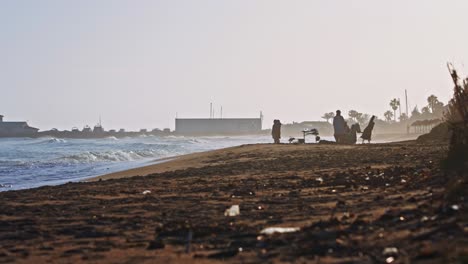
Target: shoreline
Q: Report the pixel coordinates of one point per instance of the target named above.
(158, 165)
(176, 162)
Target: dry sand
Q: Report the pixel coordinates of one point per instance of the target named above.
(350, 203)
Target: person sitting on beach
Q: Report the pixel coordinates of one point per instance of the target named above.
(367, 134)
(339, 126)
(347, 129)
(276, 131)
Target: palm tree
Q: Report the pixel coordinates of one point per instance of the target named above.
(328, 116)
(388, 116)
(394, 104)
(432, 102)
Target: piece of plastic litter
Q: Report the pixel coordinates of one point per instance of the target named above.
(272, 230)
(146, 192)
(232, 211)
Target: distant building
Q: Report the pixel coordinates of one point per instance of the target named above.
(98, 129)
(218, 126)
(15, 129)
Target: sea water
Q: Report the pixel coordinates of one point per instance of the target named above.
(27, 163)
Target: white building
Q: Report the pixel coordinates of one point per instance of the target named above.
(16, 129)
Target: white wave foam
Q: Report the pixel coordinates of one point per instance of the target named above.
(111, 156)
(56, 140)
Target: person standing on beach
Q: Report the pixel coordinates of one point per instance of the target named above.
(367, 134)
(276, 131)
(339, 125)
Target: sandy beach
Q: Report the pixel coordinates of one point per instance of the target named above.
(346, 204)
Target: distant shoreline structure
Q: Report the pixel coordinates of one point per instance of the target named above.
(218, 126)
(16, 129)
(184, 127)
(21, 129)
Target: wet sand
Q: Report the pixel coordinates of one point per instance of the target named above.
(353, 204)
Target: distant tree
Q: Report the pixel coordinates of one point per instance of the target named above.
(394, 104)
(403, 117)
(425, 111)
(388, 116)
(438, 110)
(432, 101)
(328, 116)
(353, 114)
(363, 119)
(415, 114)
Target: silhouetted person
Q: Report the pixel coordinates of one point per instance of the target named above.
(276, 131)
(347, 129)
(367, 134)
(339, 126)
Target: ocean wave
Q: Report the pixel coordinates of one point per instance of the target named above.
(50, 140)
(56, 140)
(111, 156)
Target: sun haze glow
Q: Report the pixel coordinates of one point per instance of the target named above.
(138, 63)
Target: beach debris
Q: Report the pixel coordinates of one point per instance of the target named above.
(390, 254)
(146, 192)
(403, 181)
(319, 179)
(455, 207)
(232, 211)
(281, 230)
(390, 250)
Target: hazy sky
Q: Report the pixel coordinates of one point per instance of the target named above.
(138, 63)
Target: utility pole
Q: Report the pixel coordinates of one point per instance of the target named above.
(407, 114)
(211, 110)
(399, 106)
(406, 96)
(221, 115)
